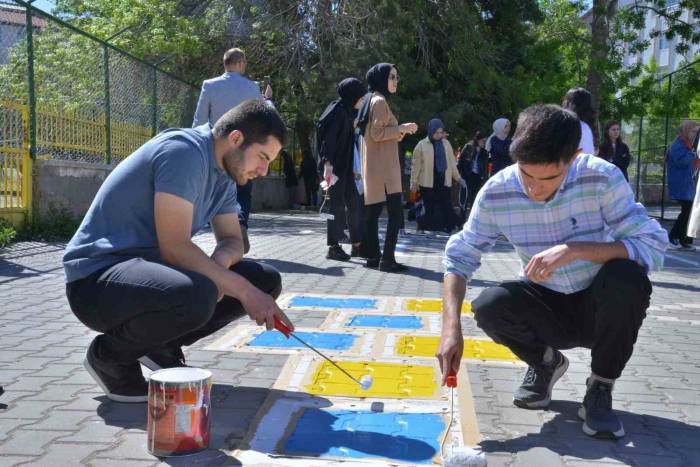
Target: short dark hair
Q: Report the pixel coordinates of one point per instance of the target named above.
(580, 101)
(546, 134)
(233, 56)
(256, 119)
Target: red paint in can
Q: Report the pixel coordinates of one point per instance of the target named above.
(179, 411)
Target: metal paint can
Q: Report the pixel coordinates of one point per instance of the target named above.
(179, 411)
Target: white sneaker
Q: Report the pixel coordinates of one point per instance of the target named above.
(674, 245)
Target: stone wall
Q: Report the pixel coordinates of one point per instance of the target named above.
(73, 185)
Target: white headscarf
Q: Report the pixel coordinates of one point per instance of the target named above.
(499, 131)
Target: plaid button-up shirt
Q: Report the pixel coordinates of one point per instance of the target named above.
(593, 204)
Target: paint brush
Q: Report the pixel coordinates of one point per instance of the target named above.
(461, 456)
(450, 382)
(365, 382)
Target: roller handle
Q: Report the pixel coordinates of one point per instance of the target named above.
(281, 327)
(451, 381)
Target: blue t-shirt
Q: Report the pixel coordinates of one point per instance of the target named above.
(120, 223)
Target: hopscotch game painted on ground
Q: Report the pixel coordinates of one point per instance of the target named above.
(320, 416)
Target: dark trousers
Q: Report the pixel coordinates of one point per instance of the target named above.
(370, 239)
(474, 184)
(680, 227)
(439, 215)
(344, 195)
(141, 306)
(605, 317)
(245, 199)
(311, 187)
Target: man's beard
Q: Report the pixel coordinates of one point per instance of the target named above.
(234, 164)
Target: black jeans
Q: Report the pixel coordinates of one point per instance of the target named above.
(344, 194)
(679, 230)
(141, 306)
(370, 239)
(605, 317)
(474, 184)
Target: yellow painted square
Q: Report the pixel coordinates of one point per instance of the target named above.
(390, 380)
(426, 346)
(431, 305)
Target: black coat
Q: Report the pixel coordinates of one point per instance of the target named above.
(465, 162)
(336, 143)
(620, 156)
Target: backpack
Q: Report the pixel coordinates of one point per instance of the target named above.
(323, 122)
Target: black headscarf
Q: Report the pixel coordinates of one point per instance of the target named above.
(377, 81)
(349, 90)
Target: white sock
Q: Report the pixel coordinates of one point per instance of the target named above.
(595, 377)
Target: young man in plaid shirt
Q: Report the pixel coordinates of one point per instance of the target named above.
(585, 248)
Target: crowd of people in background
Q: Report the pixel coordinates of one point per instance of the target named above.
(358, 140)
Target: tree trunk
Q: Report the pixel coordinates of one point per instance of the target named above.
(603, 14)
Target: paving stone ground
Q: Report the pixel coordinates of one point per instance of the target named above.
(53, 413)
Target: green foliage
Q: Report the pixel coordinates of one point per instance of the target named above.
(632, 91)
(7, 233)
(58, 224)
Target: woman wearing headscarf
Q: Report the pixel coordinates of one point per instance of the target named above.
(498, 146)
(433, 169)
(381, 169)
(580, 102)
(682, 163)
(335, 134)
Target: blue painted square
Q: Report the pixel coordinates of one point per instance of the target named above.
(328, 302)
(411, 437)
(319, 340)
(386, 321)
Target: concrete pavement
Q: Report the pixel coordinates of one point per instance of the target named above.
(55, 415)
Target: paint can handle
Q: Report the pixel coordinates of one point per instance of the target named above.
(281, 327)
(451, 381)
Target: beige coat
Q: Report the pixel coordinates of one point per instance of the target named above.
(694, 222)
(423, 165)
(381, 171)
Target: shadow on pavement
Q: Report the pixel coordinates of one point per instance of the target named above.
(648, 437)
(234, 409)
(301, 268)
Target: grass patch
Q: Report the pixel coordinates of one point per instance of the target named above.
(7, 233)
(58, 224)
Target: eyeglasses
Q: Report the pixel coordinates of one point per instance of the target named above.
(394, 78)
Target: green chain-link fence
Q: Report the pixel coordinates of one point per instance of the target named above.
(649, 138)
(90, 101)
(66, 94)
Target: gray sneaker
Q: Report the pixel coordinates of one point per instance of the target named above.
(536, 390)
(599, 419)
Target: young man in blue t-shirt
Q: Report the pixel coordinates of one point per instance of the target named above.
(132, 270)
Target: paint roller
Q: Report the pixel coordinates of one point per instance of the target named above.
(365, 382)
(462, 456)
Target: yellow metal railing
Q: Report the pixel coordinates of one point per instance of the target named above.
(66, 134)
(77, 134)
(15, 162)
